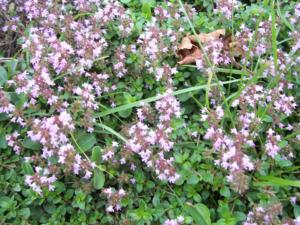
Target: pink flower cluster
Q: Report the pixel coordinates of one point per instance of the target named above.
(157, 42)
(13, 142)
(226, 7)
(114, 199)
(5, 105)
(272, 147)
(151, 144)
(52, 133)
(88, 98)
(119, 67)
(41, 179)
(268, 214)
(178, 221)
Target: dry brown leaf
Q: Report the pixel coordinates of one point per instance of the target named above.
(212, 36)
(189, 50)
(192, 56)
(185, 43)
(236, 48)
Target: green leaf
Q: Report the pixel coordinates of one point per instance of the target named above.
(5, 203)
(27, 168)
(3, 116)
(157, 97)
(193, 179)
(25, 213)
(96, 154)
(240, 216)
(3, 142)
(98, 179)
(156, 199)
(146, 10)
(184, 97)
(110, 130)
(85, 140)
(282, 162)
(3, 75)
(277, 181)
(125, 113)
(283, 144)
(29, 144)
(225, 192)
(125, 1)
(12, 67)
(18, 99)
(199, 212)
(296, 211)
(267, 119)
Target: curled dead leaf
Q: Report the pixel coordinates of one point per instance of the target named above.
(212, 36)
(185, 43)
(236, 48)
(189, 50)
(191, 56)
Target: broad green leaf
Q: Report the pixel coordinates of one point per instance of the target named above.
(125, 1)
(25, 213)
(98, 179)
(282, 162)
(3, 142)
(27, 168)
(193, 179)
(156, 199)
(12, 67)
(29, 144)
(3, 75)
(267, 119)
(3, 116)
(296, 211)
(146, 10)
(18, 99)
(199, 212)
(184, 97)
(96, 154)
(283, 144)
(5, 203)
(85, 140)
(225, 192)
(125, 113)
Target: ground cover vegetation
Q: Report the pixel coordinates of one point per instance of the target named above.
(149, 112)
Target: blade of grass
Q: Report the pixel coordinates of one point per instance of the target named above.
(224, 70)
(278, 181)
(274, 37)
(155, 98)
(111, 131)
(282, 17)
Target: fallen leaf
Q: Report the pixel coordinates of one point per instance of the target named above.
(189, 50)
(236, 48)
(185, 43)
(212, 36)
(191, 56)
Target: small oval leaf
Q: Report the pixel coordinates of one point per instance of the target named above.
(199, 212)
(98, 179)
(96, 154)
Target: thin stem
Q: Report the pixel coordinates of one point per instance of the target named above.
(85, 155)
